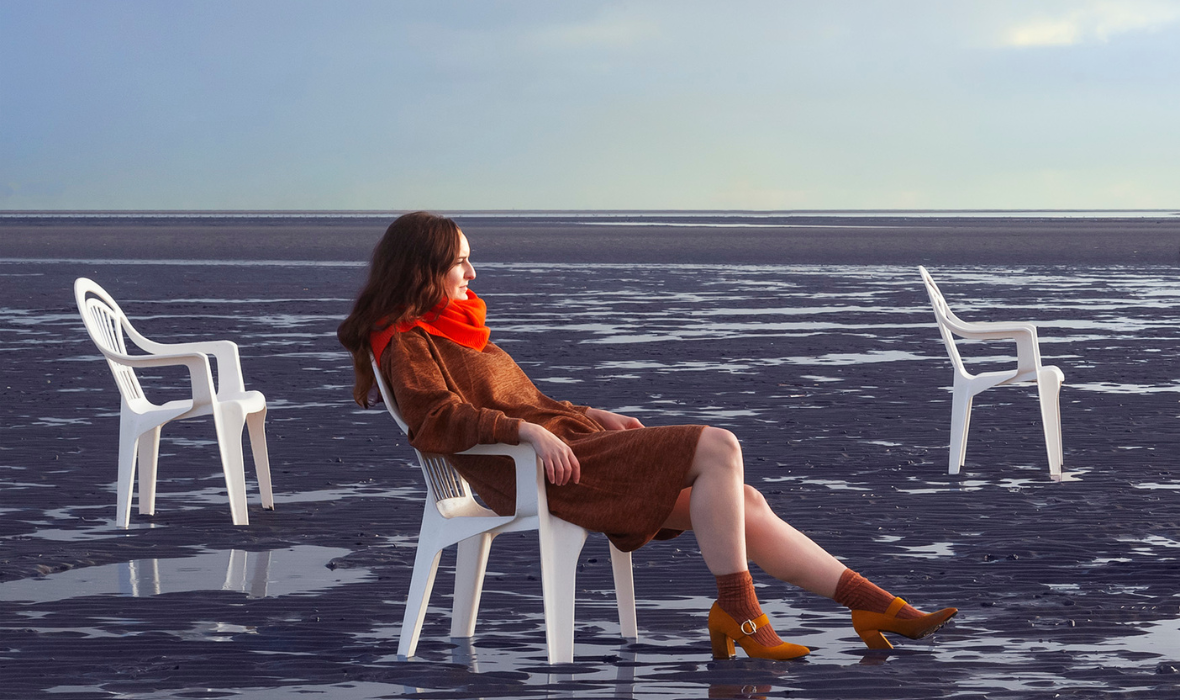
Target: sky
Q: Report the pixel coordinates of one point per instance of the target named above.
(499, 105)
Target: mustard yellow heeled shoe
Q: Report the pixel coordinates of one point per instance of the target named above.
(724, 631)
(870, 625)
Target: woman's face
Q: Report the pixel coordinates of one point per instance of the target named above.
(460, 273)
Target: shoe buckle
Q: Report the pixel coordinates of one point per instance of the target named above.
(753, 628)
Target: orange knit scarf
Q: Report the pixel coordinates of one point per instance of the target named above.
(459, 320)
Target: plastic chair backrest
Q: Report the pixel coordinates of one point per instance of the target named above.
(945, 317)
(449, 491)
(105, 322)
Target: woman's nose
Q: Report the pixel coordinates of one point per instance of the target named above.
(470, 272)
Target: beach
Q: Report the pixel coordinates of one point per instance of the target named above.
(810, 337)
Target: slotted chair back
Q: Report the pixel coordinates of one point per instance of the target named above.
(448, 490)
(104, 322)
(945, 318)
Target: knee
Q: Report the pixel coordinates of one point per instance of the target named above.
(755, 501)
(723, 448)
(757, 509)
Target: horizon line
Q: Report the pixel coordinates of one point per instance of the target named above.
(525, 212)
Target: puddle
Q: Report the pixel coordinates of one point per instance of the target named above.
(929, 551)
(833, 484)
(296, 570)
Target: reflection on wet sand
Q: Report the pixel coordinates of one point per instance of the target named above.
(257, 574)
(618, 674)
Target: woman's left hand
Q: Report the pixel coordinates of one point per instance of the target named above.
(613, 421)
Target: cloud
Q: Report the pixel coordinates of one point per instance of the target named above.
(608, 31)
(1091, 22)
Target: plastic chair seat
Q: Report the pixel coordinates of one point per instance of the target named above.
(451, 516)
(966, 385)
(251, 402)
(233, 407)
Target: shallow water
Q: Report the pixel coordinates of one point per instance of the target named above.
(294, 570)
(834, 377)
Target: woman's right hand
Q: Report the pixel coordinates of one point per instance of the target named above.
(561, 466)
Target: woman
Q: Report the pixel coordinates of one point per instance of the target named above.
(605, 471)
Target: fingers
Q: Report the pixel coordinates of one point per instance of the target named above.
(570, 470)
(630, 423)
(562, 467)
(556, 472)
(557, 459)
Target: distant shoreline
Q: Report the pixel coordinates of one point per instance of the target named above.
(593, 213)
(857, 238)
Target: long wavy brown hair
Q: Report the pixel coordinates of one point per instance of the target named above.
(405, 282)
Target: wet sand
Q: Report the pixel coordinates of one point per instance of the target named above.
(832, 375)
(780, 240)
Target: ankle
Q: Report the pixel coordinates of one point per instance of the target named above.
(736, 597)
(858, 593)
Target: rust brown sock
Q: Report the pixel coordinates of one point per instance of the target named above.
(736, 596)
(858, 593)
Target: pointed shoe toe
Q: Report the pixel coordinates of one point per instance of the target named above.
(724, 631)
(870, 625)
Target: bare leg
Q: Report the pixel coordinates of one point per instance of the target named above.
(726, 514)
(779, 549)
(717, 506)
(785, 553)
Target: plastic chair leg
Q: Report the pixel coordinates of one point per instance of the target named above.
(422, 582)
(620, 563)
(229, 421)
(561, 543)
(966, 430)
(149, 456)
(1049, 381)
(960, 422)
(471, 562)
(128, 446)
(255, 422)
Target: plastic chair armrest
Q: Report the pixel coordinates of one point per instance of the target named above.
(225, 352)
(1028, 353)
(200, 376)
(991, 330)
(1014, 328)
(530, 478)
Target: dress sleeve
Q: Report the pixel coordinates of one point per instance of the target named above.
(439, 419)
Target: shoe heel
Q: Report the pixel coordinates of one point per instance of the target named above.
(722, 645)
(873, 639)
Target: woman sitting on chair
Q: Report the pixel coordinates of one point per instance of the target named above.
(606, 472)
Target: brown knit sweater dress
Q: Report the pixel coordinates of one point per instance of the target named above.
(454, 397)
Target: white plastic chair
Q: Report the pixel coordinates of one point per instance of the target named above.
(1028, 369)
(140, 420)
(452, 516)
